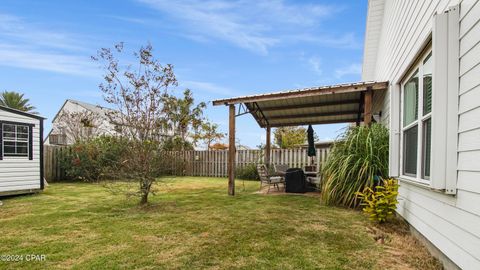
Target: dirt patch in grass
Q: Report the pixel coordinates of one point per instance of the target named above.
(403, 250)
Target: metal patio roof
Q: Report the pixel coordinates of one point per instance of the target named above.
(342, 103)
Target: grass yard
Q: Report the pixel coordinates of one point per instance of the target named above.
(192, 223)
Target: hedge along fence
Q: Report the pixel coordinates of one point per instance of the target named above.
(211, 163)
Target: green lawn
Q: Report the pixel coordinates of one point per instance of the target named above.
(192, 223)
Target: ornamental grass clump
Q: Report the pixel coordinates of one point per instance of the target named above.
(359, 159)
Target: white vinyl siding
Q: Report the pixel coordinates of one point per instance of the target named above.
(20, 173)
(451, 223)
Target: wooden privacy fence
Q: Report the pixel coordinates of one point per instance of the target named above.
(52, 169)
(200, 163)
(214, 163)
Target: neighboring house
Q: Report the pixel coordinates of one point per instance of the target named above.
(77, 119)
(320, 144)
(21, 152)
(429, 52)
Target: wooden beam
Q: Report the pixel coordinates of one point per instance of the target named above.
(360, 107)
(317, 91)
(252, 107)
(367, 115)
(261, 112)
(231, 150)
(306, 115)
(267, 148)
(311, 105)
(321, 122)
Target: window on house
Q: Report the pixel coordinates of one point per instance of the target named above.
(15, 140)
(416, 120)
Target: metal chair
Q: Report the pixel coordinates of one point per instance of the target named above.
(266, 179)
(280, 169)
(316, 181)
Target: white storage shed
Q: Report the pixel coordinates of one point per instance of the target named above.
(21, 152)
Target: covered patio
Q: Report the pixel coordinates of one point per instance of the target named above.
(342, 103)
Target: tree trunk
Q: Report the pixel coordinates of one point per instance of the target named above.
(145, 190)
(144, 198)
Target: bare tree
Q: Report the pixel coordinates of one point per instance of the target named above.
(79, 126)
(138, 93)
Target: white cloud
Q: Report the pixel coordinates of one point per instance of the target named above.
(252, 25)
(314, 62)
(26, 45)
(129, 19)
(30, 58)
(344, 41)
(352, 69)
(15, 30)
(207, 87)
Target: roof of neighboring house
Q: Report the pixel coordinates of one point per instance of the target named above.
(8, 109)
(341, 103)
(91, 107)
(320, 143)
(373, 32)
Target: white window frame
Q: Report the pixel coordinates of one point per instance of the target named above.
(444, 40)
(419, 122)
(16, 140)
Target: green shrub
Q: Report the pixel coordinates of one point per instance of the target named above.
(94, 159)
(380, 204)
(357, 159)
(248, 172)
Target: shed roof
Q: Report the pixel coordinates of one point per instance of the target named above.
(27, 114)
(340, 103)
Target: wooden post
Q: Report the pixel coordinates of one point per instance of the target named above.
(231, 150)
(367, 116)
(267, 148)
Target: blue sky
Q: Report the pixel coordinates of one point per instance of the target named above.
(219, 48)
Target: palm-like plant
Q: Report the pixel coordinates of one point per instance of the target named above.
(16, 100)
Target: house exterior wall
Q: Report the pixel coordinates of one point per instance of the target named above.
(20, 173)
(105, 127)
(450, 222)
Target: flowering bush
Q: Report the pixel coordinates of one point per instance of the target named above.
(92, 160)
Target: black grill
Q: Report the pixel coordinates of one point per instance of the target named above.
(295, 181)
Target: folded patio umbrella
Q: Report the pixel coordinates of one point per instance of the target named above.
(311, 142)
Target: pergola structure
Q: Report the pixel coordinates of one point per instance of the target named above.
(342, 103)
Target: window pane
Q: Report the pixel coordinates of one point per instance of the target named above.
(427, 147)
(9, 135)
(22, 148)
(427, 85)
(22, 129)
(22, 136)
(8, 128)
(9, 148)
(410, 137)
(410, 100)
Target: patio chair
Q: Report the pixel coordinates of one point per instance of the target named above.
(280, 169)
(266, 179)
(316, 181)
